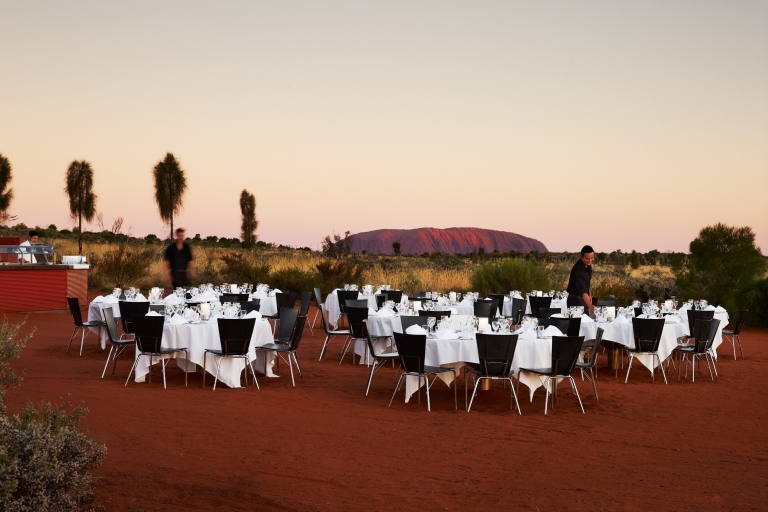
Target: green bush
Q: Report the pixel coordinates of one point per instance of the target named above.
(294, 279)
(334, 273)
(614, 283)
(238, 268)
(511, 274)
(753, 298)
(123, 265)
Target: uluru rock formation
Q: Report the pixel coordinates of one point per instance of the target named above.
(447, 241)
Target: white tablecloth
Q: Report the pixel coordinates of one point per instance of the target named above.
(462, 308)
(556, 303)
(198, 337)
(95, 314)
(334, 312)
(722, 316)
(267, 305)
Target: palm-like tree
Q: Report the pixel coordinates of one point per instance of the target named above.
(82, 200)
(170, 185)
(249, 224)
(6, 193)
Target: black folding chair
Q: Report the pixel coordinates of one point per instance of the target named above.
(701, 347)
(379, 358)
(330, 333)
(116, 345)
(567, 326)
(289, 350)
(235, 335)
(485, 309)
(538, 303)
(495, 352)
(149, 337)
(130, 308)
(589, 364)
(412, 349)
(318, 302)
(647, 332)
(733, 336)
(77, 318)
(306, 299)
(356, 317)
(565, 354)
(499, 298)
(548, 312)
(394, 295)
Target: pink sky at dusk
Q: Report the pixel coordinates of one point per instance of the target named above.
(623, 125)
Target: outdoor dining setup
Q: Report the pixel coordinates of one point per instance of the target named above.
(238, 333)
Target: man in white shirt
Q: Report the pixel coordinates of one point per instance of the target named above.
(31, 239)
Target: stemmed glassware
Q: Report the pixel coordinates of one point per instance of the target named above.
(431, 322)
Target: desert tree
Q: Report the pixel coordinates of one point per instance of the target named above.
(170, 185)
(82, 200)
(249, 224)
(6, 193)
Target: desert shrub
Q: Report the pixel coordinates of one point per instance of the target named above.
(240, 268)
(45, 462)
(123, 265)
(511, 274)
(294, 279)
(754, 298)
(613, 283)
(334, 273)
(723, 260)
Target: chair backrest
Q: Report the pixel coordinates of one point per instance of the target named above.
(702, 335)
(609, 302)
(306, 299)
(495, 352)
(233, 297)
(250, 305)
(423, 295)
(157, 308)
(128, 309)
(638, 311)
(356, 303)
(318, 297)
(380, 300)
(407, 321)
(149, 332)
(538, 303)
(287, 323)
(499, 298)
(565, 353)
(74, 308)
(344, 296)
(109, 319)
(568, 326)
(647, 333)
(436, 314)
(740, 322)
(411, 349)
(713, 327)
(324, 315)
(548, 312)
(693, 315)
(298, 332)
(355, 317)
(395, 295)
(235, 335)
(518, 308)
(593, 357)
(483, 309)
(369, 340)
(285, 300)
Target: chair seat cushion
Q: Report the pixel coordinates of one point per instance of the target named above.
(93, 324)
(540, 371)
(387, 356)
(123, 342)
(342, 331)
(726, 331)
(436, 369)
(274, 346)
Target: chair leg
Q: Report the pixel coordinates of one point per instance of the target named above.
(290, 367)
(663, 374)
(186, 375)
(594, 387)
(107, 363)
(370, 377)
(426, 382)
(253, 374)
(576, 391)
(741, 349)
(546, 396)
(629, 367)
(298, 367)
(218, 367)
(396, 388)
(709, 367)
(205, 360)
(74, 331)
(163, 363)
(82, 341)
(714, 366)
(117, 354)
(455, 385)
(512, 394)
(135, 361)
(474, 392)
(325, 345)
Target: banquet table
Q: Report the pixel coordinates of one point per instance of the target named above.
(267, 303)
(720, 314)
(196, 338)
(334, 311)
(96, 314)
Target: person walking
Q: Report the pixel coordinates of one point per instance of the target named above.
(178, 260)
(580, 282)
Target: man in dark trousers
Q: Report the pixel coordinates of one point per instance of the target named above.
(178, 258)
(580, 283)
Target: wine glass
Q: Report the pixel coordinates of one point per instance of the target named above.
(540, 331)
(495, 325)
(431, 322)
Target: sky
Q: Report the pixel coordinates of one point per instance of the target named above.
(625, 125)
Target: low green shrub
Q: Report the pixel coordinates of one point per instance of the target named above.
(511, 274)
(753, 298)
(123, 265)
(335, 272)
(239, 268)
(294, 279)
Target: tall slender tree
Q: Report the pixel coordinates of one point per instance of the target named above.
(6, 193)
(170, 185)
(249, 224)
(82, 200)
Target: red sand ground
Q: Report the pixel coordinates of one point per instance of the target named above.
(324, 446)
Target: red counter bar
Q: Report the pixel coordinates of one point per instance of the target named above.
(41, 287)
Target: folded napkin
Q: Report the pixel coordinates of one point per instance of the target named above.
(98, 299)
(672, 319)
(485, 329)
(709, 308)
(527, 335)
(386, 312)
(111, 299)
(415, 329)
(178, 320)
(254, 314)
(173, 299)
(259, 294)
(585, 319)
(442, 301)
(453, 311)
(552, 331)
(447, 334)
(621, 319)
(557, 315)
(720, 309)
(153, 313)
(372, 311)
(140, 298)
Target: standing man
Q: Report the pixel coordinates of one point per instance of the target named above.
(31, 239)
(580, 283)
(178, 258)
